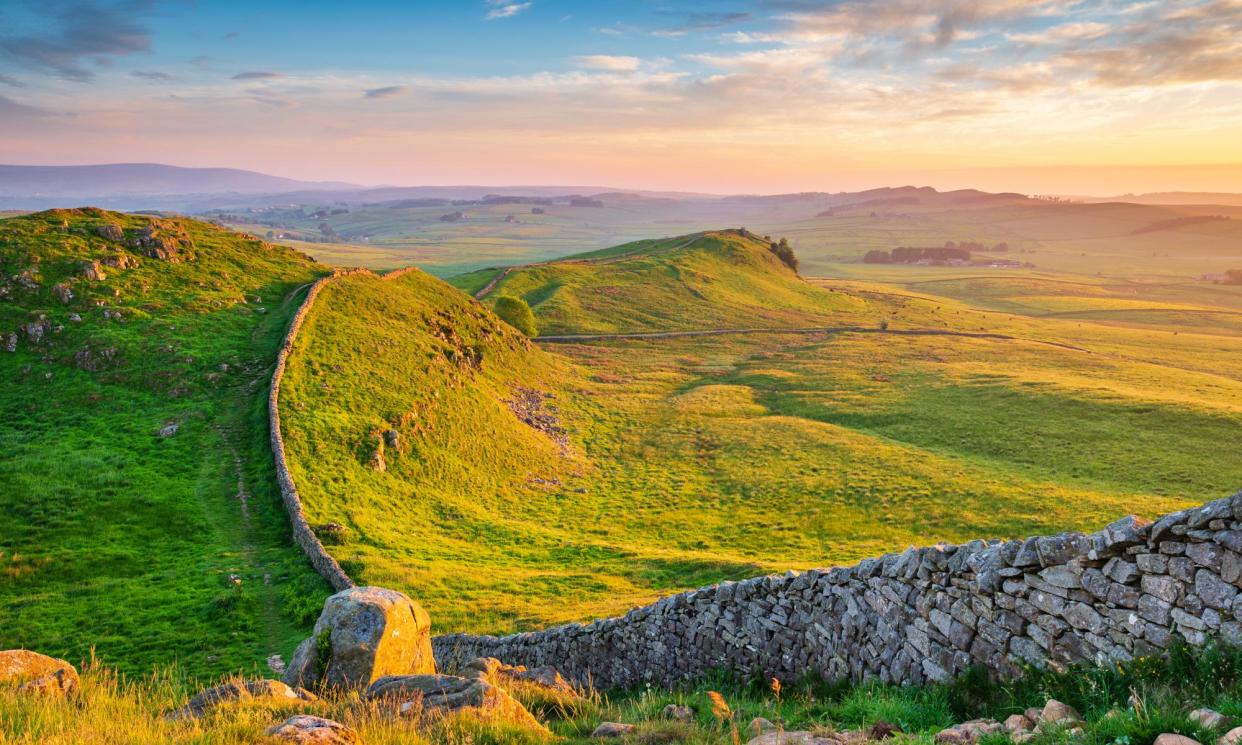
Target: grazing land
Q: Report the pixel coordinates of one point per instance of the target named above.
(910, 418)
(141, 514)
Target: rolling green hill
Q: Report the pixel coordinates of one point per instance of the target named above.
(688, 460)
(718, 279)
(141, 516)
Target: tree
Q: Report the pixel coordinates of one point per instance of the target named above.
(517, 313)
(785, 253)
(877, 256)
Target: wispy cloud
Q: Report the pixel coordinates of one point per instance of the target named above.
(153, 76)
(74, 31)
(388, 91)
(610, 62)
(258, 75)
(505, 9)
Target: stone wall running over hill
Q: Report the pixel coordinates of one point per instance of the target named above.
(926, 614)
(303, 534)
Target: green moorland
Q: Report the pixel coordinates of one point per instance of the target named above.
(1127, 704)
(148, 549)
(694, 459)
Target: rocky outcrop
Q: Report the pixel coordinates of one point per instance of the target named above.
(449, 695)
(926, 614)
(304, 729)
(36, 673)
(242, 691)
(93, 271)
(110, 231)
(363, 634)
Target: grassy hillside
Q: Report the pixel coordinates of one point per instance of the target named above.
(694, 459)
(148, 548)
(462, 488)
(720, 279)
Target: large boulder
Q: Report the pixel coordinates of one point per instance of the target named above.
(265, 691)
(36, 673)
(362, 635)
(304, 729)
(448, 695)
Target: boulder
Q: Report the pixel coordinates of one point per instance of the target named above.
(37, 673)
(1211, 719)
(678, 713)
(93, 271)
(795, 737)
(1232, 737)
(495, 671)
(362, 635)
(304, 729)
(612, 729)
(968, 733)
(267, 691)
(111, 231)
(1169, 738)
(1018, 723)
(1059, 714)
(447, 695)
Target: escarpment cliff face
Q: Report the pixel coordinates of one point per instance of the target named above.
(927, 614)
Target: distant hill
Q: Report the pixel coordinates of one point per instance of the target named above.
(137, 184)
(141, 515)
(714, 279)
(1174, 197)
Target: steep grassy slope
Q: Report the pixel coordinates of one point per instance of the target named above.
(148, 548)
(718, 279)
(696, 459)
(450, 515)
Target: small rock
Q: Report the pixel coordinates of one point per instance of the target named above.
(304, 729)
(37, 673)
(1211, 719)
(235, 692)
(1060, 714)
(93, 271)
(968, 733)
(391, 438)
(11, 344)
(275, 662)
(111, 231)
(796, 737)
(612, 729)
(168, 430)
(75, 318)
(882, 730)
(1232, 737)
(759, 726)
(451, 695)
(1169, 738)
(679, 713)
(1018, 723)
(63, 292)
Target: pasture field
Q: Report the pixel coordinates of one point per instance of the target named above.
(148, 550)
(695, 459)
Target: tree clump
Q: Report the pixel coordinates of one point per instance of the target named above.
(785, 253)
(517, 313)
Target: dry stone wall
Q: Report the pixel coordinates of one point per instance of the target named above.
(303, 534)
(927, 614)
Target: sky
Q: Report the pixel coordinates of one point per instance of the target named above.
(742, 96)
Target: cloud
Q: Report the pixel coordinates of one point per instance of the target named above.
(258, 75)
(388, 91)
(701, 21)
(13, 82)
(153, 76)
(505, 9)
(12, 109)
(608, 62)
(78, 29)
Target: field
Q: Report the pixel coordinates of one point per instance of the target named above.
(923, 417)
(150, 550)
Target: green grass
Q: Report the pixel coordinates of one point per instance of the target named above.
(115, 538)
(697, 459)
(1122, 704)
